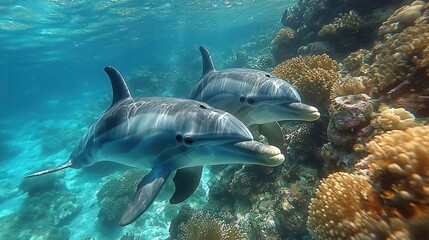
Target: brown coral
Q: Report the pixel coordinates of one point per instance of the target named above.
(203, 226)
(350, 86)
(395, 118)
(313, 76)
(350, 20)
(337, 210)
(284, 35)
(356, 62)
(402, 57)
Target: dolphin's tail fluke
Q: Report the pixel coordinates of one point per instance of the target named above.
(51, 170)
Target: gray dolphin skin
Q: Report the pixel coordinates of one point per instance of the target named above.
(165, 134)
(255, 97)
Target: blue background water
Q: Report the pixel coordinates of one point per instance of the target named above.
(52, 55)
(57, 49)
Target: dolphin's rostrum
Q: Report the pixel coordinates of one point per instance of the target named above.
(165, 134)
(255, 97)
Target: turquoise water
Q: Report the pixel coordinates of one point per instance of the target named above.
(53, 87)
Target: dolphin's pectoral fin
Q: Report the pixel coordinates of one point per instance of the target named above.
(273, 132)
(186, 181)
(146, 192)
(51, 170)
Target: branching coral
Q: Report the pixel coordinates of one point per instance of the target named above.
(336, 212)
(402, 57)
(395, 118)
(313, 76)
(356, 62)
(346, 21)
(203, 226)
(284, 35)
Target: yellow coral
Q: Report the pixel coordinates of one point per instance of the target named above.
(284, 35)
(350, 86)
(401, 56)
(350, 20)
(402, 157)
(337, 210)
(313, 76)
(395, 118)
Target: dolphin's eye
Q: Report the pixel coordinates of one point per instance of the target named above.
(267, 75)
(203, 106)
(188, 140)
(251, 101)
(242, 99)
(179, 137)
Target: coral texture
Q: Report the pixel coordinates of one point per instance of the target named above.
(402, 56)
(346, 21)
(284, 35)
(395, 118)
(401, 158)
(336, 211)
(202, 226)
(313, 76)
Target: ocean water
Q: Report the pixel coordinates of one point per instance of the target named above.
(53, 87)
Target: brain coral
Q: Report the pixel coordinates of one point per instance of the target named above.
(337, 210)
(313, 76)
(395, 118)
(401, 56)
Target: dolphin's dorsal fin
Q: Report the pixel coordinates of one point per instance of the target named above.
(119, 86)
(208, 65)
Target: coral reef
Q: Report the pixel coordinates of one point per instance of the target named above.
(45, 212)
(357, 62)
(350, 21)
(395, 118)
(115, 195)
(284, 35)
(202, 225)
(313, 76)
(350, 86)
(353, 23)
(401, 161)
(402, 58)
(391, 201)
(336, 210)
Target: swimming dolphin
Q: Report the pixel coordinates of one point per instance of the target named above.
(165, 134)
(255, 97)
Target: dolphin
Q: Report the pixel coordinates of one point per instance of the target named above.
(165, 134)
(255, 97)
